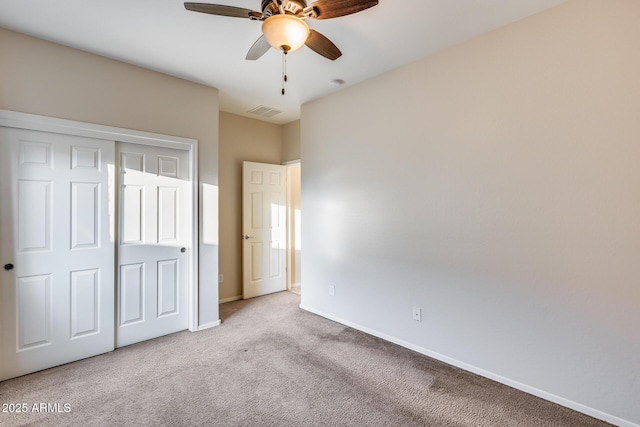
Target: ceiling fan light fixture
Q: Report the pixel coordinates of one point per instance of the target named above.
(285, 32)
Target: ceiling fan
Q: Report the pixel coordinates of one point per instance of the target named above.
(283, 23)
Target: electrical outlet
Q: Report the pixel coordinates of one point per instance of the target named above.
(220, 278)
(417, 314)
(332, 290)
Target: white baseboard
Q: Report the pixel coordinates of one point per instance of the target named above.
(492, 376)
(208, 325)
(222, 301)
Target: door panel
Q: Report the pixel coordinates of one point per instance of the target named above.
(85, 302)
(85, 158)
(34, 215)
(153, 254)
(132, 218)
(264, 228)
(85, 215)
(167, 214)
(167, 287)
(56, 304)
(131, 293)
(34, 311)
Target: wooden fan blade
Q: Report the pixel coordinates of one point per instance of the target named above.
(322, 45)
(326, 9)
(259, 48)
(222, 10)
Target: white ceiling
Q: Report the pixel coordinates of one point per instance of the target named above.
(161, 35)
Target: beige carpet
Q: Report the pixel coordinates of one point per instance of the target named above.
(272, 364)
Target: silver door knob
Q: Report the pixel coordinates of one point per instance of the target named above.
(183, 250)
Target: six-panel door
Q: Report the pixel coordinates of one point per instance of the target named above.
(57, 299)
(155, 240)
(264, 228)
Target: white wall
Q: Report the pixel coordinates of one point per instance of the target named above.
(496, 186)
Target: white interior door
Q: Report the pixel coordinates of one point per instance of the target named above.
(155, 200)
(264, 229)
(57, 249)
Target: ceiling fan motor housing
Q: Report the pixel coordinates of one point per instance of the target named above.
(294, 7)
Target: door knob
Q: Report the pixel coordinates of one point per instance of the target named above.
(245, 237)
(183, 250)
(8, 267)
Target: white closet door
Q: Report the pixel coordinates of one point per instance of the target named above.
(155, 241)
(56, 249)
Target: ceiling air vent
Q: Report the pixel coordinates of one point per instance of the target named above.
(263, 111)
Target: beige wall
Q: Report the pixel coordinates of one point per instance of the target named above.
(48, 79)
(495, 185)
(241, 139)
(291, 141)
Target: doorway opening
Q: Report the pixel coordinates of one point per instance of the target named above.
(294, 235)
(271, 228)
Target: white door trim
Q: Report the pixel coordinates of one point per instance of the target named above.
(14, 119)
(290, 244)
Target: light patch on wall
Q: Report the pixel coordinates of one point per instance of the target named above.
(209, 214)
(333, 229)
(298, 230)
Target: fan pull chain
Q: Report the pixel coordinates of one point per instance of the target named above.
(284, 69)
